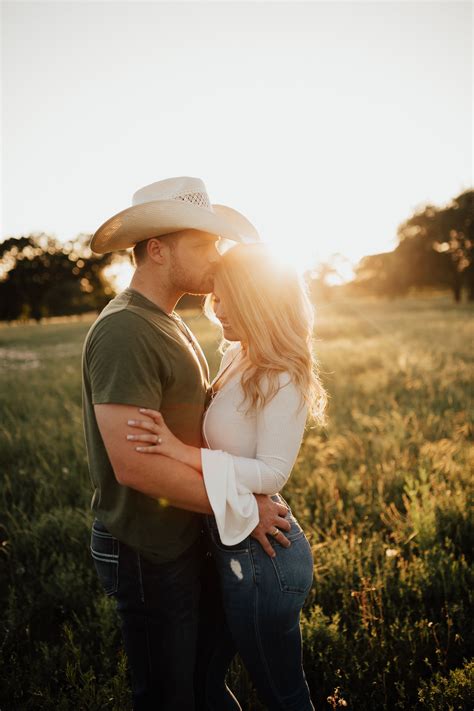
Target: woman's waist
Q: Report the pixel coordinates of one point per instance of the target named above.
(211, 522)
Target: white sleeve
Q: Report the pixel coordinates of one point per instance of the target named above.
(236, 511)
(230, 479)
(280, 427)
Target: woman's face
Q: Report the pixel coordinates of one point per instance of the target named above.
(221, 314)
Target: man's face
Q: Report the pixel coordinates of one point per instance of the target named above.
(193, 261)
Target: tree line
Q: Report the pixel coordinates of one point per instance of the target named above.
(435, 249)
(40, 276)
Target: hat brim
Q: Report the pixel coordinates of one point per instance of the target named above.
(160, 217)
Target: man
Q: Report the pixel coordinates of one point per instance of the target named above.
(147, 541)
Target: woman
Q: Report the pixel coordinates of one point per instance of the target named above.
(266, 386)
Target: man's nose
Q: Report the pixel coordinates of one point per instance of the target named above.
(214, 256)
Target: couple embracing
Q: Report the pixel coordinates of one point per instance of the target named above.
(191, 536)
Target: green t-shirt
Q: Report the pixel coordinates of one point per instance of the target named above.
(136, 354)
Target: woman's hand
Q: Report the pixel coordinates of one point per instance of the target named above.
(158, 439)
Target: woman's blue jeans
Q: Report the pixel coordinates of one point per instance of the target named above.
(262, 599)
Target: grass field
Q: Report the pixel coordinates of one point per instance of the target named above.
(384, 494)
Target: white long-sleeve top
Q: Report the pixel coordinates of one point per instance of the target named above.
(247, 453)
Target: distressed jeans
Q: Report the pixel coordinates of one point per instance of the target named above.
(254, 608)
(159, 608)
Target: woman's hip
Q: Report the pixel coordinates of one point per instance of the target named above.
(246, 564)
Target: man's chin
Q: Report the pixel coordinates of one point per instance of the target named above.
(201, 289)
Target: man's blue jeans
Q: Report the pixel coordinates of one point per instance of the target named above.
(254, 608)
(159, 609)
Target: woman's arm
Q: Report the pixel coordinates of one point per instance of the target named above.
(160, 440)
(280, 427)
(229, 479)
(155, 427)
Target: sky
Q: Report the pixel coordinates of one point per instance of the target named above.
(326, 123)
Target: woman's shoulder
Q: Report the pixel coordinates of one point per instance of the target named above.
(285, 378)
(281, 379)
(280, 390)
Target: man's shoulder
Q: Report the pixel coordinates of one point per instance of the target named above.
(122, 322)
(121, 329)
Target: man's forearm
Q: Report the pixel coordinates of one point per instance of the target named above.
(152, 474)
(161, 477)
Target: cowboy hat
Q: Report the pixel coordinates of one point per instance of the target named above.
(170, 206)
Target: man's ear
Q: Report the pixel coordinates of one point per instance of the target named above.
(157, 250)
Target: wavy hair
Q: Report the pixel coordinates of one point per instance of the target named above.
(267, 304)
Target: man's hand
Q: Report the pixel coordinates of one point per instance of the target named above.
(272, 516)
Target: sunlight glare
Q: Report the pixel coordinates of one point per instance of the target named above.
(296, 255)
(119, 274)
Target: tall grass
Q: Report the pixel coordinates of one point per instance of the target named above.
(384, 494)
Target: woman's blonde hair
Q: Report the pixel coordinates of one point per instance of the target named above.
(268, 306)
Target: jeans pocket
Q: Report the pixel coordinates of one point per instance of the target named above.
(105, 553)
(296, 530)
(294, 566)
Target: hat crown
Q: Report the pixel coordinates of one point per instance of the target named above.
(184, 188)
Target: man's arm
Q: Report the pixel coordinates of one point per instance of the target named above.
(156, 476)
(161, 477)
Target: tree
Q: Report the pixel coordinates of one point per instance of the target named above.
(438, 245)
(317, 280)
(41, 277)
(435, 249)
(328, 277)
(378, 274)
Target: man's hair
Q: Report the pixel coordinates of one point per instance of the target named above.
(139, 251)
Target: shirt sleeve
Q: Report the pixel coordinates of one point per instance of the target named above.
(235, 510)
(230, 479)
(280, 427)
(124, 363)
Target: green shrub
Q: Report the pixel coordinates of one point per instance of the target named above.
(454, 692)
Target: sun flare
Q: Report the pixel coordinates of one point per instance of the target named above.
(300, 257)
(119, 274)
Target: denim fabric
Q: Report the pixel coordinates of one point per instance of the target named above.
(262, 600)
(159, 609)
(216, 648)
